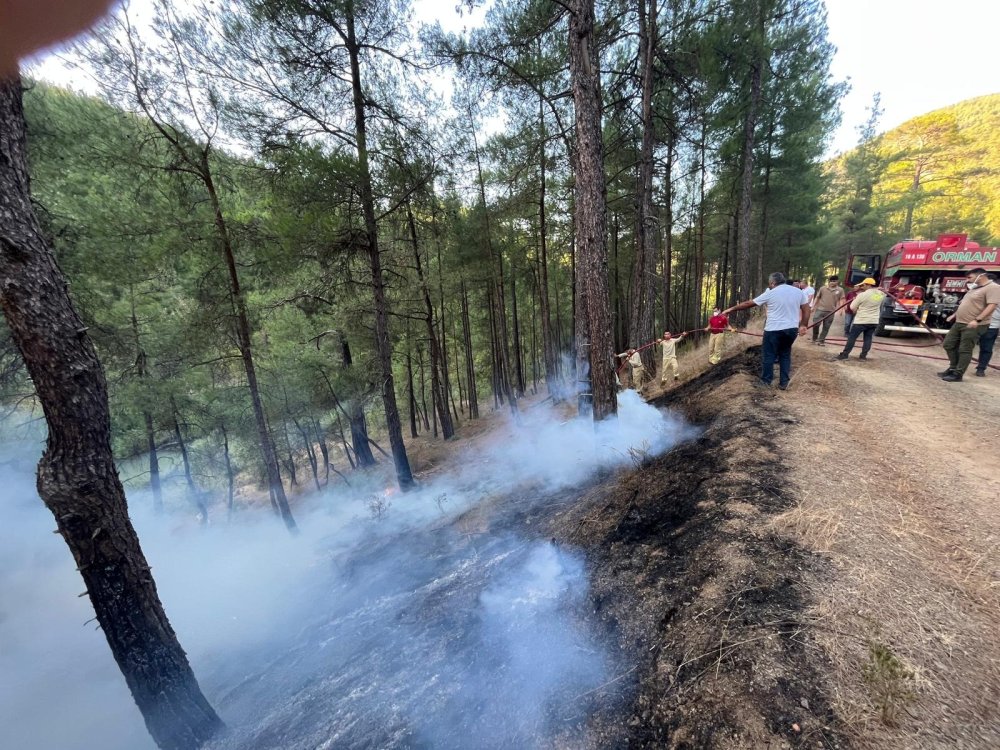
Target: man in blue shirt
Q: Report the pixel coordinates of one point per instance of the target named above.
(787, 317)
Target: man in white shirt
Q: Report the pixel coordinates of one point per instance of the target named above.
(787, 317)
(809, 291)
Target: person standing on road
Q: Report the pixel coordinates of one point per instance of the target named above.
(809, 291)
(866, 308)
(668, 345)
(972, 320)
(787, 317)
(848, 315)
(638, 369)
(827, 300)
(717, 326)
(988, 339)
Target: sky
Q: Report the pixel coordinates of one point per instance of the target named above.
(921, 55)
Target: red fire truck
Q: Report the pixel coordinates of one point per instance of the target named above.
(926, 279)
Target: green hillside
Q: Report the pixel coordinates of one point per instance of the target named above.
(939, 172)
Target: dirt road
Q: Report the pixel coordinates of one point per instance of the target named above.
(898, 479)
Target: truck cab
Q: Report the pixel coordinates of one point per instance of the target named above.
(925, 280)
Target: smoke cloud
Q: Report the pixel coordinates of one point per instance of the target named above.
(391, 621)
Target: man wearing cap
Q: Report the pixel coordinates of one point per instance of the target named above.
(669, 346)
(787, 317)
(972, 320)
(717, 326)
(826, 301)
(866, 308)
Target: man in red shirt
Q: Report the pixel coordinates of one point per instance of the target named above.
(717, 326)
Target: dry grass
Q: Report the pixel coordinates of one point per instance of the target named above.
(909, 615)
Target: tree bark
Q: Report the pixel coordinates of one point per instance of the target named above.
(437, 357)
(245, 341)
(591, 207)
(549, 351)
(746, 183)
(641, 309)
(193, 493)
(383, 346)
(470, 368)
(77, 477)
(230, 475)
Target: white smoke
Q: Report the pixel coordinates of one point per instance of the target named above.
(392, 631)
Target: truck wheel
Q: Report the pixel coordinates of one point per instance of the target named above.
(880, 331)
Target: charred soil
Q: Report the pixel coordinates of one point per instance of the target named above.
(703, 597)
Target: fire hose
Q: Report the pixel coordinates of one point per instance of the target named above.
(877, 347)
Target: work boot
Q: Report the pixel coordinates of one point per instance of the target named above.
(782, 386)
(863, 358)
(980, 373)
(952, 377)
(821, 342)
(946, 373)
(841, 356)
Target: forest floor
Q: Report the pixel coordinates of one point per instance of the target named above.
(819, 568)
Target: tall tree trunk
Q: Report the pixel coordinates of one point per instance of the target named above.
(496, 265)
(668, 227)
(290, 461)
(409, 389)
(437, 357)
(324, 450)
(154, 463)
(356, 413)
(699, 263)
(142, 371)
(591, 206)
(77, 477)
(518, 354)
(423, 387)
(744, 290)
(230, 475)
(470, 367)
(383, 346)
(550, 353)
(641, 312)
(245, 341)
(193, 493)
(310, 452)
(764, 205)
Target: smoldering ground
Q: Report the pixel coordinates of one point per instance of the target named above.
(386, 623)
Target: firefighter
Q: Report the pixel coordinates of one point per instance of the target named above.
(972, 321)
(866, 309)
(634, 361)
(717, 326)
(668, 345)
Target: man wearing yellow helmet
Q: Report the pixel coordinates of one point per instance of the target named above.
(866, 308)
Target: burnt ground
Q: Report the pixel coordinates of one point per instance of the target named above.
(703, 597)
(788, 578)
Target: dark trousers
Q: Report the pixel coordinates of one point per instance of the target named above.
(868, 329)
(848, 321)
(778, 347)
(986, 342)
(960, 342)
